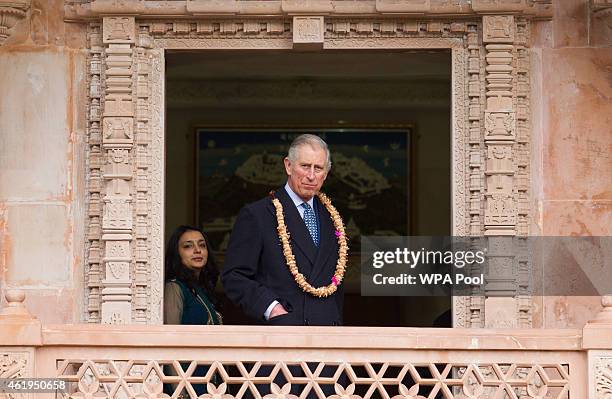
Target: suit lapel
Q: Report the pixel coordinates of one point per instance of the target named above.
(327, 239)
(296, 227)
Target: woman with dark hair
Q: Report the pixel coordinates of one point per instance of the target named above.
(191, 276)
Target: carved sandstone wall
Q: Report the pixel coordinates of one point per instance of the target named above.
(43, 159)
(572, 136)
(42, 84)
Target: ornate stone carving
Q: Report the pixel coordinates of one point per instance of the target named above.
(308, 32)
(118, 131)
(117, 214)
(143, 263)
(15, 364)
(119, 30)
(546, 377)
(498, 29)
(603, 377)
(522, 171)
(11, 12)
(490, 133)
(459, 142)
(506, 138)
(119, 34)
(93, 250)
(156, 170)
(500, 124)
(523, 126)
(460, 9)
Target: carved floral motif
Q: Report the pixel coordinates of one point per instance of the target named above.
(603, 377)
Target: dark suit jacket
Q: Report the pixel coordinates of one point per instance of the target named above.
(255, 272)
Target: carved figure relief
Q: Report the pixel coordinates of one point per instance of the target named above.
(118, 250)
(500, 210)
(498, 28)
(117, 214)
(308, 30)
(118, 130)
(499, 125)
(118, 30)
(499, 158)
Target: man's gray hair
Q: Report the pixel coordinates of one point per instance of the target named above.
(311, 140)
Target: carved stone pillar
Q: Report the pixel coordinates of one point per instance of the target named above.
(521, 166)
(500, 125)
(476, 158)
(503, 168)
(94, 176)
(118, 36)
(124, 254)
(144, 310)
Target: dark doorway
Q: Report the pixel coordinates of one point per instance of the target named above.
(368, 91)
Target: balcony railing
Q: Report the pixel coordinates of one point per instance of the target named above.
(223, 362)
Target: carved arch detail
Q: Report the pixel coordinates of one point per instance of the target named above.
(490, 138)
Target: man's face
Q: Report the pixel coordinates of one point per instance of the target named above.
(307, 173)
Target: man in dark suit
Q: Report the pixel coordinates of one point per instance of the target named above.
(256, 276)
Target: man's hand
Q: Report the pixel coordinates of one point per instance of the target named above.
(277, 310)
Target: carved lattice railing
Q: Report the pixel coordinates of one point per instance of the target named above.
(118, 379)
(223, 362)
(290, 362)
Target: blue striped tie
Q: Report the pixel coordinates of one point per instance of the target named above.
(311, 223)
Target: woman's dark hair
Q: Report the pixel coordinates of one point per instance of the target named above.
(175, 269)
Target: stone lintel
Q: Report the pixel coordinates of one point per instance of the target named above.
(284, 8)
(293, 7)
(115, 7)
(403, 7)
(223, 7)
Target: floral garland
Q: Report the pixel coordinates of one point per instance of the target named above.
(283, 234)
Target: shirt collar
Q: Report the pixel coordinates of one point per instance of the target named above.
(296, 198)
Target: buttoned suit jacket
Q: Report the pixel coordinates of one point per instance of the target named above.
(255, 272)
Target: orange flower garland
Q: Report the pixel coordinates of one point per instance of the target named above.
(283, 234)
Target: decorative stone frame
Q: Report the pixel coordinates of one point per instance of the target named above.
(125, 174)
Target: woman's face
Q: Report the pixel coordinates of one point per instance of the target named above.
(193, 251)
